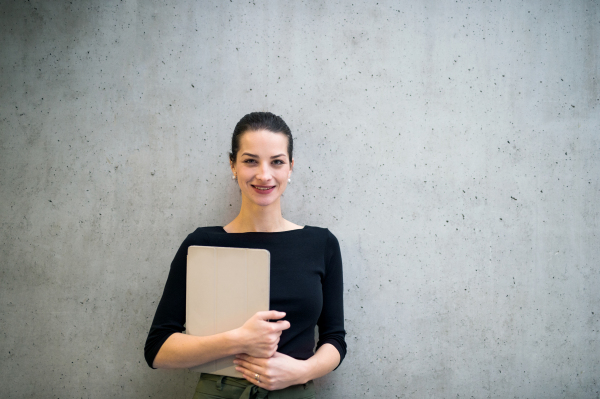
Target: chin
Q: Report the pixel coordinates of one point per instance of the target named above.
(263, 201)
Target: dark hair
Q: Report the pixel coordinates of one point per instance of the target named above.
(259, 121)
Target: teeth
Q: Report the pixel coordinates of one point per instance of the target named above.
(264, 188)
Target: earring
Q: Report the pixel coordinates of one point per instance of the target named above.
(234, 177)
(289, 180)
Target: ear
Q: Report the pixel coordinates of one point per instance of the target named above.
(232, 166)
(291, 168)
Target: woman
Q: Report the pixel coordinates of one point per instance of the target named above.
(306, 283)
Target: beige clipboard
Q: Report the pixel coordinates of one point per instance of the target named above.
(224, 288)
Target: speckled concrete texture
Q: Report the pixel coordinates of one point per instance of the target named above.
(452, 147)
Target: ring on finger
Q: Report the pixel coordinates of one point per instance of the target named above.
(257, 377)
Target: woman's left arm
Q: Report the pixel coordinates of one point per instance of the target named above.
(280, 371)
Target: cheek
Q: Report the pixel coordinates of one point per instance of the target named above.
(242, 171)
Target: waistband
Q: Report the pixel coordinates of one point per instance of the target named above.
(252, 391)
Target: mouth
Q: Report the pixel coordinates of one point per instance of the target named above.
(263, 189)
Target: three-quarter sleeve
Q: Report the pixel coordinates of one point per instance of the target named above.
(294, 287)
(170, 314)
(331, 320)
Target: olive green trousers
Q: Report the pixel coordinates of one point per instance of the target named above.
(213, 386)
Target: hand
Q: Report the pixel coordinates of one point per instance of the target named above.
(277, 372)
(259, 337)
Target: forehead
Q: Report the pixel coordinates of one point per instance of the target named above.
(263, 142)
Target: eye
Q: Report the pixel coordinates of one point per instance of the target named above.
(249, 160)
(278, 162)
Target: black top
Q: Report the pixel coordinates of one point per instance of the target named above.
(306, 284)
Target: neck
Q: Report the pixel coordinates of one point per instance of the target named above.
(255, 218)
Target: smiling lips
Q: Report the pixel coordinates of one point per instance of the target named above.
(263, 189)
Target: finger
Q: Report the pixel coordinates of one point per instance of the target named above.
(250, 375)
(270, 315)
(252, 367)
(250, 358)
(279, 326)
(283, 324)
(245, 371)
(246, 357)
(252, 379)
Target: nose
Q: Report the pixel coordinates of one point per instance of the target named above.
(264, 172)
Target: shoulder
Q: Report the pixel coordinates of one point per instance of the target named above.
(208, 230)
(323, 231)
(202, 235)
(329, 245)
(322, 234)
(315, 231)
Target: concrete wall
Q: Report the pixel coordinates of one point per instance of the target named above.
(452, 147)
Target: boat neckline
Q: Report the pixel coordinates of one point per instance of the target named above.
(265, 232)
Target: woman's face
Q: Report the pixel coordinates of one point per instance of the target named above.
(262, 166)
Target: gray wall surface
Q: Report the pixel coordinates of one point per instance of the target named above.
(452, 147)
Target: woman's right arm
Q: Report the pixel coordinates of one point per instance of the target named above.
(167, 346)
(257, 335)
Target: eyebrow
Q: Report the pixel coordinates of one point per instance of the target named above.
(256, 156)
